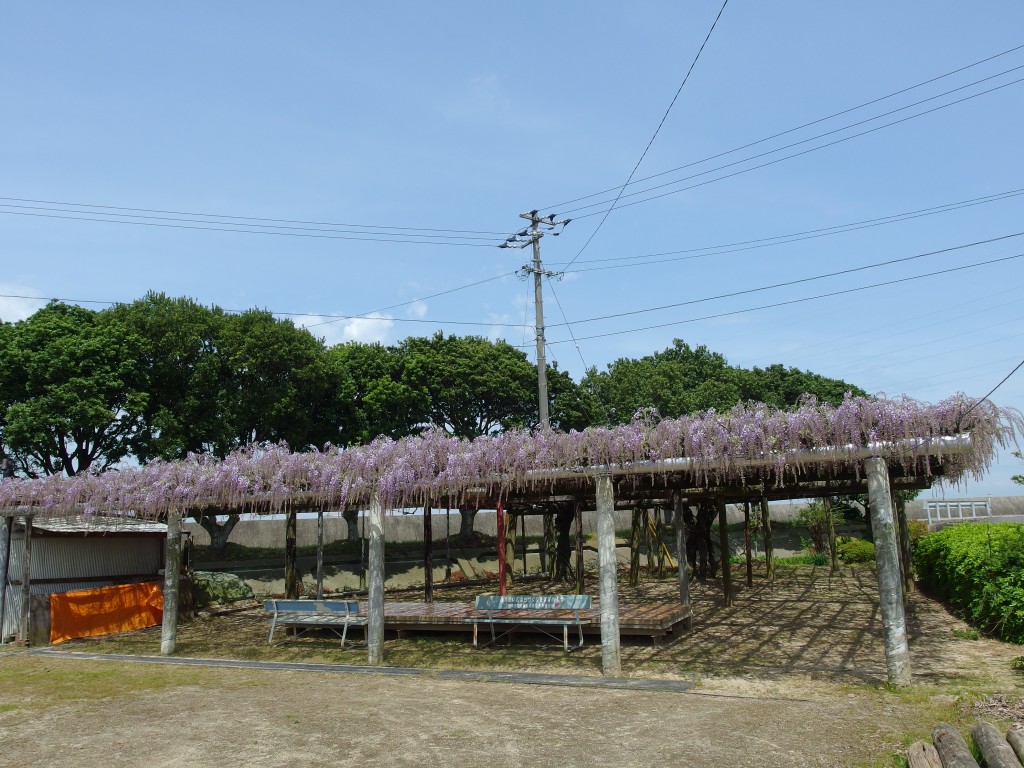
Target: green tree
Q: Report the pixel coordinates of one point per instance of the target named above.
(72, 393)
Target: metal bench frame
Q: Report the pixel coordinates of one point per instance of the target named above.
(314, 614)
(496, 608)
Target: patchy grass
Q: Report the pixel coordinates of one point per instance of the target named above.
(811, 634)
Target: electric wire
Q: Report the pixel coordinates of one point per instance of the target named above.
(249, 231)
(656, 132)
(787, 283)
(793, 237)
(786, 157)
(992, 391)
(792, 130)
(246, 218)
(568, 326)
(790, 302)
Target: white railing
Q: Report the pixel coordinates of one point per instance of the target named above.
(957, 509)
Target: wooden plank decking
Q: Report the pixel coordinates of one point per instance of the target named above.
(649, 619)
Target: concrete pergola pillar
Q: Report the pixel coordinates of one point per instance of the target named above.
(890, 579)
(611, 664)
(172, 580)
(375, 612)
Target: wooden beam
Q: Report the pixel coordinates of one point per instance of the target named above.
(746, 537)
(6, 524)
(428, 554)
(684, 575)
(26, 583)
(723, 546)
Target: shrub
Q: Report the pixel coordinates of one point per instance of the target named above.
(979, 570)
(916, 529)
(215, 588)
(856, 551)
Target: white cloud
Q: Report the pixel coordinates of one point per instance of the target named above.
(375, 327)
(13, 307)
(417, 309)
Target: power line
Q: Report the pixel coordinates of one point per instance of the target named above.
(798, 281)
(787, 157)
(247, 218)
(656, 132)
(248, 231)
(232, 224)
(812, 234)
(794, 301)
(793, 130)
(567, 325)
(991, 391)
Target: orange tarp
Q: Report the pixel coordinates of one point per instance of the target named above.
(104, 611)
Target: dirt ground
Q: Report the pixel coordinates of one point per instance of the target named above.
(790, 675)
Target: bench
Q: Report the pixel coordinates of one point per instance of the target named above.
(534, 611)
(334, 615)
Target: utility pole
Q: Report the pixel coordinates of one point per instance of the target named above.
(532, 236)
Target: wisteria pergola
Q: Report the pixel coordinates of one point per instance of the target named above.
(749, 452)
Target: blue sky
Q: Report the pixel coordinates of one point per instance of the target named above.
(459, 116)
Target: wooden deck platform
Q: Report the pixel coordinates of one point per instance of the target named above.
(652, 620)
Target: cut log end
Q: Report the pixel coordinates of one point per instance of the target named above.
(923, 755)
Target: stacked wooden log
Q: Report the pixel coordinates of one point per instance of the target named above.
(949, 750)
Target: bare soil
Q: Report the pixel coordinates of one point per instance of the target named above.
(791, 674)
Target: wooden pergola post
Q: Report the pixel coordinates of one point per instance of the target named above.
(26, 584)
(684, 575)
(499, 522)
(375, 611)
(320, 554)
(906, 559)
(172, 581)
(611, 664)
(6, 523)
(887, 561)
(769, 549)
(291, 581)
(428, 554)
(723, 545)
(746, 543)
(581, 583)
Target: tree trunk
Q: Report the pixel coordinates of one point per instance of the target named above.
(351, 517)
(466, 528)
(549, 552)
(906, 559)
(219, 532)
(1015, 739)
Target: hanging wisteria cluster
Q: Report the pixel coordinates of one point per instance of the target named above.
(750, 443)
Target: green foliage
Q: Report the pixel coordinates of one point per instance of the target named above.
(682, 380)
(1017, 664)
(215, 588)
(1019, 479)
(853, 551)
(979, 569)
(969, 633)
(72, 390)
(916, 529)
(814, 517)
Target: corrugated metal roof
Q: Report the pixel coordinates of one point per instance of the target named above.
(98, 526)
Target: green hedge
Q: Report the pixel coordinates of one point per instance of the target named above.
(978, 568)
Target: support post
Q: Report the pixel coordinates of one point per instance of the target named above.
(26, 583)
(320, 554)
(723, 547)
(769, 548)
(428, 554)
(581, 585)
(549, 550)
(291, 582)
(375, 614)
(499, 521)
(894, 625)
(634, 547)
(6, 523)
(684, 576)
(746, 537)
(907, 560)
(172, 580)
(833, 549)
(610, 659)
